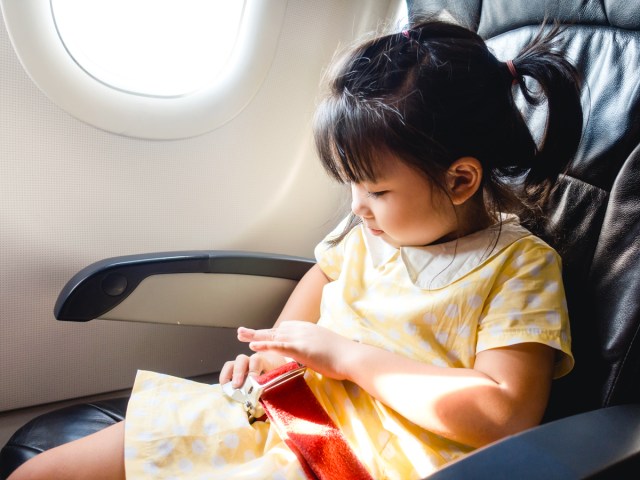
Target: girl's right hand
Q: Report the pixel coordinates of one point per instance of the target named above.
(237, 370)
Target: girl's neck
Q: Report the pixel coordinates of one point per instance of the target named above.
(472, 217)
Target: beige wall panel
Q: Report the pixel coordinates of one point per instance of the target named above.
(71, 194)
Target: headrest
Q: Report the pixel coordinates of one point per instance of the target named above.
(491, 18)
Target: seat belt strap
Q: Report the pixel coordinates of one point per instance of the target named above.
(303, 424)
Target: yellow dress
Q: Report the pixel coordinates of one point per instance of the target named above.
(440, 304)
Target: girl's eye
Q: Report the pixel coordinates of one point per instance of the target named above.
(376, 194)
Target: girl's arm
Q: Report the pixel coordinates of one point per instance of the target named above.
(304, 301)
(505, 392)
(303, 304)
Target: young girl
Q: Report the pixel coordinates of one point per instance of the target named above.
(433, 323)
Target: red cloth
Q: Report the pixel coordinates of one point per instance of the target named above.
(308, 430)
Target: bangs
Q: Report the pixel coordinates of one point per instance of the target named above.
(352, 137)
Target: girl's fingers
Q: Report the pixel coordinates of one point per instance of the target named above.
(236, 371)
(226, 372)
(259, 346)
(245, 334)
(240, 368)
(251, 335)
(256, 365)
(280, 348)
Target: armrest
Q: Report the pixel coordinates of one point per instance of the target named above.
(213, 288)
(603, 443)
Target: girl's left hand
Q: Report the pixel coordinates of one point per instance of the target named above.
(309, 344)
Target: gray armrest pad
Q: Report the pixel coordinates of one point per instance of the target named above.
(602, 443)
(102, 286)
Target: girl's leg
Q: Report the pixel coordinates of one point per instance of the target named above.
(97, 456)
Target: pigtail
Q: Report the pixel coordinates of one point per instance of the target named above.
(559, 85)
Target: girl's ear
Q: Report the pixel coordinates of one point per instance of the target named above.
(464, 178)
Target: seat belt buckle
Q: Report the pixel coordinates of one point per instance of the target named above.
(250, 392)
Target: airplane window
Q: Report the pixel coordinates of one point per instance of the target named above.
(149, 47)
(147, 68)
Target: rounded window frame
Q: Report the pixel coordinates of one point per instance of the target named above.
(41, 52)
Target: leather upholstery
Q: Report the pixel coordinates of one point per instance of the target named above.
(593, 218)
(58, 427)
(493, 17)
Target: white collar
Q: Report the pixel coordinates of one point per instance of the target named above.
(436, 266)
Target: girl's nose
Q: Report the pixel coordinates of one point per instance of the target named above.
(359, 201)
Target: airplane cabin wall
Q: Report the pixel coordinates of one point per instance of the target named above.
(71, 194)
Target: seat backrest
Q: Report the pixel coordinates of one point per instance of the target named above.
(593, 217)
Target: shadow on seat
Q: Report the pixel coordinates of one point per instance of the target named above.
(594, 214)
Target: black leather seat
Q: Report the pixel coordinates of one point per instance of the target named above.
(594, 214)
(594, 217)
(58, 427)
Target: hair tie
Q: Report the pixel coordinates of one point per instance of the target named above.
(513, 71)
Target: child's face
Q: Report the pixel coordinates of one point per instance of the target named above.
(404, 207)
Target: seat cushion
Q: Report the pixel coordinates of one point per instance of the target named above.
(58, 427)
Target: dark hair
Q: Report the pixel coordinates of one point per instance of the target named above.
(434, 93)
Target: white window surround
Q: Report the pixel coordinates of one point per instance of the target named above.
(33, 33)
